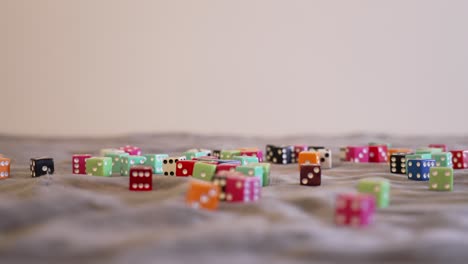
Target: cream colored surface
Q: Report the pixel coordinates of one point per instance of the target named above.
(261, 67)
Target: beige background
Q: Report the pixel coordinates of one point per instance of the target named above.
(261, 67)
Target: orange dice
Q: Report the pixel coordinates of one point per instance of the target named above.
(203, 194)
(4, 167)
(308, 157)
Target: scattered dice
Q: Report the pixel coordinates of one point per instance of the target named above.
(99, 166)
(443, 159)
(184, 168)
(279, 154)
(4, 167)
(169, 165)
(41, 166)
(242, 189)
(398, 163)
(141, 178)
(79, 163)
(418, 169)
(204, 171)
(379, 188)
(355, 210)
(117, 160)
(127, 162)
(378, 153)
(203, 194)
(311, 175)
(155, 161)
(357, 154)
(441, 179)
(460, 159)
(131, 150)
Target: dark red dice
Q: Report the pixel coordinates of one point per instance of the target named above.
(141, 178)
(311, 175)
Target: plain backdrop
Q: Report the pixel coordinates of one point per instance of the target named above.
(262, 67)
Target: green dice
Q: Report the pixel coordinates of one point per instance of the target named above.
(428, 150)
(441, 179)
(204, 171)
(99, 166)
(130, 161)
(246, 159)
(116, 160)
(252, 171)
(195, 154)
(378, 187)
(229, 154)
(443, 159)
(155, 161)
(266, 172)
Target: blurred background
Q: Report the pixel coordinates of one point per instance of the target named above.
(257, 67)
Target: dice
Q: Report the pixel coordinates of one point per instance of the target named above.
(325, 158)
(169, 165)
(253, 153)
(184, 168)
(308, 157)
(443, 159)
(357, 154)
(378, 153)
(203, 194)
(418, 169)
(398, 163)
(220, 180)
(252, 170)
(378, 187)
(266, 172)
(216, 153)
(103, 152)
(204, 171)
(99, 166)
(141, 178)
(242, 189)
(155, 161)
(244, 160)
(116, 158)
(195, 153)
(127, 162)
(460, 159)
(229, 154)
(279, 154)
(391, 151)
(131, 150)
(342, 154)
(311, 175)
(296, 150)
(41, 166)
(79, 163)
(441, 179)
(356, 210)
(4, 167)
(443, 147)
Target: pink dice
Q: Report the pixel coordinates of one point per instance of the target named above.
(357, 154)
(242, 189)
(378, 153)
(441, 146)
(131, 150)
(253, 153)
(79, 163)
(298, 149)
(355, 210)
(141, 178)
(460, 159)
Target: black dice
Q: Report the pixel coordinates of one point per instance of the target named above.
(216, 153)
(279, 154)
(398, 163)
(315, 148)
(42, 166)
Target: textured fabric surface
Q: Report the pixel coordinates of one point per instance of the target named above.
(69, 218)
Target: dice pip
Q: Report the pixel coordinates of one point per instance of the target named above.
(356, 210)
(460, 159)
(311, 175)
(41, 166)
(203, 194)
(379, 188)
(418, 169)
(79, 163)
(441, 179)
(141, 178)
(4, 167)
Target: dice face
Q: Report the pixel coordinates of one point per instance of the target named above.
(204, 171)
(460, 159)
(141, 178)
(279, 154)
(441, 179)
(226, 167)
(155, 161)
(443, 147)
(41, 166)
(443, 159)
(245, 160)
(202, 194)
(127, 162)
(4, 167)
(378, 154)
(398, 163)
(308, 157)
(311, 175)
(131, 150)
(325, 158)
(99, 166)
(242, 189)
(357, 154)
(184, 168)
(418, 169)
(355, 210)
(169, 165)
(379, 188)
(296, 150)
(116, 158)
(252, 170)
(253, 153)
(79, 163)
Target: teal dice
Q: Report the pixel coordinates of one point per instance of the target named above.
(266, 172)
(245, 160)
(116, 157)
(252, 171)
(441, 179)
(130, 161)
(443, 159)
(155, 161)
(204, 171)
(99, 166)
(379, 188)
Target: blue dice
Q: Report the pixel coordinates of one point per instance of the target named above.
(418, 169)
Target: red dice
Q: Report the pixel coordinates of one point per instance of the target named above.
(242, 189)
(184, 168)
(441, 146)
(131, 150)
(79, 163)
(358, 154)
(141, 178)
(460, 159)
(226, 167)
(378, 153)
(354, 209)
(253, 153)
